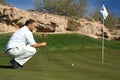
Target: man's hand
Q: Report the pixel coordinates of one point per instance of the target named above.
(43, 44)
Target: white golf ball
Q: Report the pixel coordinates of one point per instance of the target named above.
(72, 64)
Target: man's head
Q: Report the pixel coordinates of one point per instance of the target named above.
(30, 23)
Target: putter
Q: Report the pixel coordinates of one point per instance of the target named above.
(43, 37)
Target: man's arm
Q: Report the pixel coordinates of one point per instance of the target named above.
(39, 44)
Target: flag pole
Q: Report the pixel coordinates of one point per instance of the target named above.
(104, 14)
(103, 42)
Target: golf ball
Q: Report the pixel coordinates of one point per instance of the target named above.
(72, 64)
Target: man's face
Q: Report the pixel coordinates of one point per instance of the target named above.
(32, 26)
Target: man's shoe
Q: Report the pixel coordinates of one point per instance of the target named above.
(15, 64)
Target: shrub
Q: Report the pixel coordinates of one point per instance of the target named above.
(73, 25)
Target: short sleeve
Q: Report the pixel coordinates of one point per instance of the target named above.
(30, 39)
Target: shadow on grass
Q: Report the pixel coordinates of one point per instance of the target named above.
(6, 67)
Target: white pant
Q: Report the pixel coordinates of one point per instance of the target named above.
(22, 54)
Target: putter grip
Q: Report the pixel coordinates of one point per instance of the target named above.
(43, 37)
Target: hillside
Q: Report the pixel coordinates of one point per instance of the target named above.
(11, 18)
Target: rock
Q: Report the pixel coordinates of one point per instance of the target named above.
(12, 18)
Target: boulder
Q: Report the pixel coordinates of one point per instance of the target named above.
(12, 18)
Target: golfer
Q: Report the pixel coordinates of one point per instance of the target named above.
(22, 46)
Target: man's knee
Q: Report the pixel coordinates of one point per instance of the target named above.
(33, 50)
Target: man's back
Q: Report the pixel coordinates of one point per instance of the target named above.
(21, 37)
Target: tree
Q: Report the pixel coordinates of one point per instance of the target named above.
(111, 21)
(118, 21)
(96, 15)
(62, 7)
(2, 2)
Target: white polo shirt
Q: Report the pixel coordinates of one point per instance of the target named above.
(21, 37)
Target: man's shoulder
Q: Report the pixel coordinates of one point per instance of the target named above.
(24, 28)
(20, 31)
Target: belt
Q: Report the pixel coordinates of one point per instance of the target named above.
(8, 50)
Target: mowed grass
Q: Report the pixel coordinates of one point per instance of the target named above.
(64, 50)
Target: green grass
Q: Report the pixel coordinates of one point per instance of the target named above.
(64, 50)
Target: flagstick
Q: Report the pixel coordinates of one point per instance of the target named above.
(104, 14)
(103, 43)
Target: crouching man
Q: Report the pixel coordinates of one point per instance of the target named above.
(22, 46)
